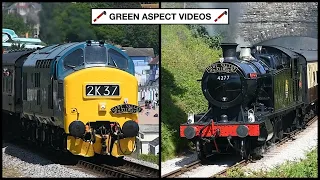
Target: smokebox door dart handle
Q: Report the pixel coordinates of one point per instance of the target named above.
(103, 13)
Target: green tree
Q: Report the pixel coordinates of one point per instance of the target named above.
(15, 22)
(74, 23)
(64, 22)
(49, 31)
(143, 36)
(126, 5)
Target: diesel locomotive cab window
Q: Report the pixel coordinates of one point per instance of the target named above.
(117, 59)
(224, 87)
(96, 54)
(74, 59)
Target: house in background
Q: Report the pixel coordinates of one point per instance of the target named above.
(147, 133)
(153, 5)
(28, 11)
(148, 130)
(146, 71)
(154, 68)
(148, 92)
(154, 146)
(141, 58)
(138, 76)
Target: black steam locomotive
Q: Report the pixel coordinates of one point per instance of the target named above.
(255, 97)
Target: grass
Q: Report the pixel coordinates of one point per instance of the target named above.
(183, 61)
(307, 168)
(10, 173)
(149, 157)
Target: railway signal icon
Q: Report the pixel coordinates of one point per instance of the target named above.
(224, 13)
(103, 13)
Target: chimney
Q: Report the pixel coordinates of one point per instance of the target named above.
(229, 51)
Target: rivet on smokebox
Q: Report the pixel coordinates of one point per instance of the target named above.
(102, 106)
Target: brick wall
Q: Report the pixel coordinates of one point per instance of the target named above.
(257, 21)
(261, 20)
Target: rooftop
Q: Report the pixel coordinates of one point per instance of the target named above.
(150, 5)
(154, 142)
(149, 128)
(154, 60)
(33, 5)
(139, 51)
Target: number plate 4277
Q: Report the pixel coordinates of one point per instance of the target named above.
(223, 78)
(102, 90)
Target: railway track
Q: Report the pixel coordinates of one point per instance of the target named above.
(99, 166)
(182, 170)
(126, 170)
(138, 169)
(290, 136)
(240, 163)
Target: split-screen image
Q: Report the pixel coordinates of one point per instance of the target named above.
(159, 89)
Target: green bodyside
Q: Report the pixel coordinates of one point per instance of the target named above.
(299, 86)
(283, 96)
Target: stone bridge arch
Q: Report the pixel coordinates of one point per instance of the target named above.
(253, 22)
(260, 21)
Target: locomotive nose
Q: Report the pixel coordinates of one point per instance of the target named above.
(222, 86)
(130, 129)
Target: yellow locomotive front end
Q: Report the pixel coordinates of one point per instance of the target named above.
(101, 111)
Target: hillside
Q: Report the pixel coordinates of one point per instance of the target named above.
(183, 60)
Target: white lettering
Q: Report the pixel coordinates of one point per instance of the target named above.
(97, 90)
(106, 89)
(114, 90)
(223, 78)
(89, 93)
(94, 90)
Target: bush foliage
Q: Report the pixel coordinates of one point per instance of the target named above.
(306, 168)
(150, 158)
(184, 56)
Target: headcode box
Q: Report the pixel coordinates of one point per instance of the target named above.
(160, 16)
